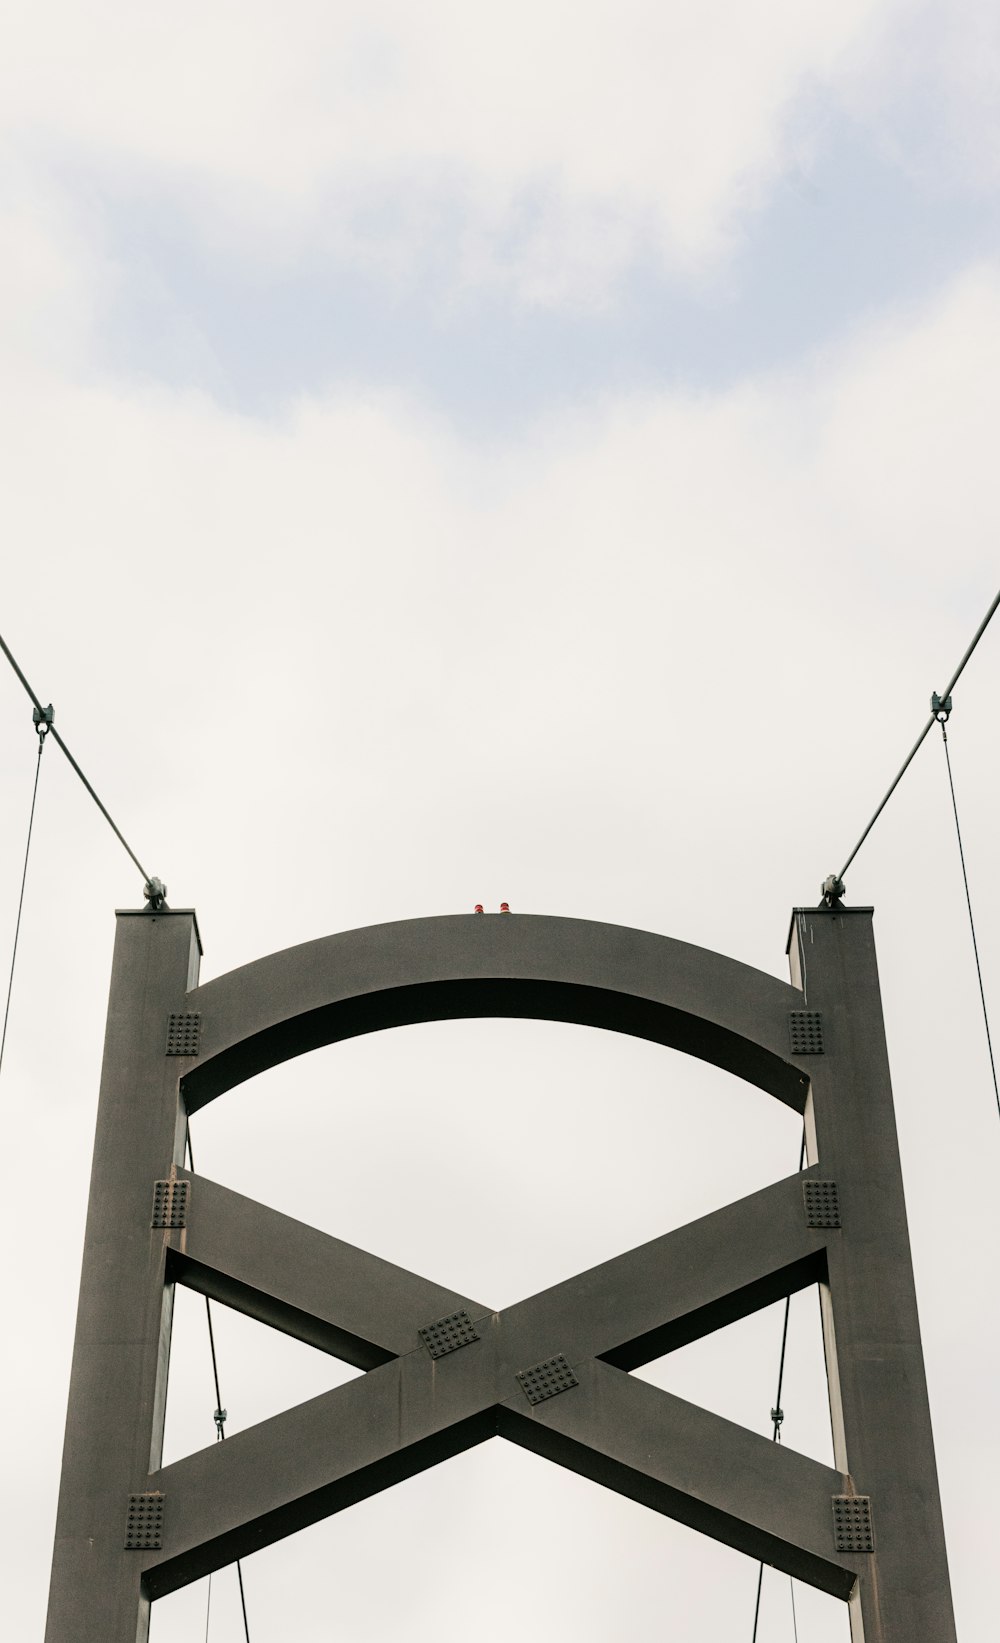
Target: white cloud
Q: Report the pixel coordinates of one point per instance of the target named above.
(651, 662)
(52, 277)
(928, 95)
(564, 140)
(390, 535)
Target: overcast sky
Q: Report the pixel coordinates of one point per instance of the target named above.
(542, 453)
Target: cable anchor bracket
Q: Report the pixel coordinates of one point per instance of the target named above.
(941, 708)
(155, 892)
(43, 719)
(833, 892)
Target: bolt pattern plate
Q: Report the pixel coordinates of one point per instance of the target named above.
(822, 1203)
(545, 1380)
(144, 1525)
(170, 1202)
(448, 1334)
(183, 1032)
(805, 1032)
(852, 1523)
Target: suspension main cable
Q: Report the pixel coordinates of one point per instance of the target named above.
(154, 890)
(834, 885)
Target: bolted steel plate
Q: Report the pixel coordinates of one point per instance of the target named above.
(546, 1379)
(170, 1202)
(448, 1334)
(144, 1524)
(805, 1032)
(183, 1032)
(822, 1202)
(852, 1523)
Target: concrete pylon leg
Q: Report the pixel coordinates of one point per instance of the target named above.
(114, 1424)
(878, 1394)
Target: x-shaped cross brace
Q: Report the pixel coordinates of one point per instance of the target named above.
(412, 1410)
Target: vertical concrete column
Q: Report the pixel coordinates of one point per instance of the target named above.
(117, 1395)
(878, 1393)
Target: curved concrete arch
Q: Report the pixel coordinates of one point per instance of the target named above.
(524, 966)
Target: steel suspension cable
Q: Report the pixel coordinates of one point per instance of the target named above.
(220, 1417)
(154, 889)
(834, 885)
(972, 922)
(777, 1416)
(42, 731)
